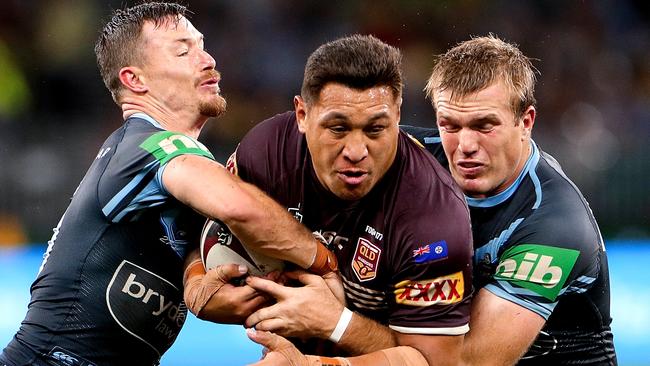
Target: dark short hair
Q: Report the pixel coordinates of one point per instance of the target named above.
(119, 45)
(357, 61)
(476, 64)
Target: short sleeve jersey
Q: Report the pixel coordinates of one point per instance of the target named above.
(404, 250)
(537, 244)
(110, 289)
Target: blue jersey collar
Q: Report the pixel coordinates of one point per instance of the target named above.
(531, 163)
(147, 118)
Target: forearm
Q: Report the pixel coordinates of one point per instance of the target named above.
(396, 356)
(506, 340)
(256, 219)
(364, 335)
(283, 352)
(195, 293)
(366, 338)
(269, 228)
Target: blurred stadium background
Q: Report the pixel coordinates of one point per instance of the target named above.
(593, 101)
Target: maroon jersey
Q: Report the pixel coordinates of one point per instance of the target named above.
(404, 250)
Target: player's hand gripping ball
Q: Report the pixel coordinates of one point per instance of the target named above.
(219, 246)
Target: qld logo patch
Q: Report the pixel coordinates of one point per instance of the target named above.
(365, 260)
(443, 290)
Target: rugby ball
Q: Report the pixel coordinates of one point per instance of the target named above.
(219, 246)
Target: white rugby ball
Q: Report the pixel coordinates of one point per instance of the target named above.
(219, 246)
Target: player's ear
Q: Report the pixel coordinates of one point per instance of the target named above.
(301, 112)
(527, 121)
(131, 77)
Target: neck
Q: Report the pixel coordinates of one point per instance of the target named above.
(184, 122)
(521, 164)
(527, 151)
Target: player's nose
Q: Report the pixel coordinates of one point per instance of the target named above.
(468, 141)
(356, 148)
(207, 61)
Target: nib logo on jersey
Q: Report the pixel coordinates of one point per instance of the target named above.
(539, 268)
(146, 305)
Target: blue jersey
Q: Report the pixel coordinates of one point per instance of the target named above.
(537, 244)
(110, 289)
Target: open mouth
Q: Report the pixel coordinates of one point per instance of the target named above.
(211, 83)
(352, 177)
(469, 168)
(468, 165)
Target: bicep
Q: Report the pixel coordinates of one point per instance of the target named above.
(432, 346)
(500, 331)
(206, 186)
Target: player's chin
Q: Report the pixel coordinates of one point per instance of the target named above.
(473, 188)
(352, 193)
(213, 108)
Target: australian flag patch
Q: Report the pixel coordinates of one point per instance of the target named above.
(430, 252)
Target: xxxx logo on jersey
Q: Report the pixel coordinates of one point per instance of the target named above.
(438, 291)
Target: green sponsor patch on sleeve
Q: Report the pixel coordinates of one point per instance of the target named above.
(540, 268)
(166, 145)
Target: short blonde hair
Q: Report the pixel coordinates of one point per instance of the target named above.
(473, 65)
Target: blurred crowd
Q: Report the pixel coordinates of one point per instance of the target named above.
(593, 90)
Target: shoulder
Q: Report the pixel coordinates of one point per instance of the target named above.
(270, 129)
(140, 137)
(276, 134)
(557, 243)
(271, 147)
(429, 139)
(421, 175)
(428, 208)
(563, 208)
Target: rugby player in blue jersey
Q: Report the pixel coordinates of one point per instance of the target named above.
(540, 266)
(110, 289)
